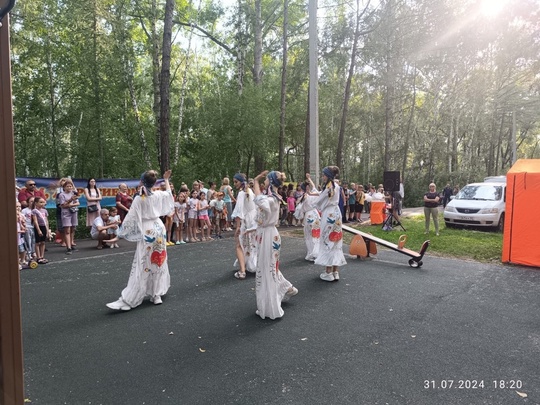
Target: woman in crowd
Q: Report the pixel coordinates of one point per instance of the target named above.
(69, 202)
(123, 200)
(244, 216)
(312, 220)
(149, 274)
(331, 243)
(271, 288)
(93, 199)
(59, 187)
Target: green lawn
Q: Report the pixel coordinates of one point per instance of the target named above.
(484, 246)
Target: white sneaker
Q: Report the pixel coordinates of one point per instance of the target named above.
(327, 276)
(336, 275)
(112, 246)
(291, 293)
(157, 300)
(119, 305)
(116, 246)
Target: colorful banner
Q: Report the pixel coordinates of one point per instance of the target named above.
(107, 187)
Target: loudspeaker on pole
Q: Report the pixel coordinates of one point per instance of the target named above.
(391, 181)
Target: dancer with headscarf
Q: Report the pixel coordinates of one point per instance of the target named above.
(149, 274)
(312, 220)
(331, 242)
(244, 216)
(271, 288)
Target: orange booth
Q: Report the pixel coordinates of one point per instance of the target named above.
(376, 213)
(520, 241)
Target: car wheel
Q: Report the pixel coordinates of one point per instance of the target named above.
(500, 225)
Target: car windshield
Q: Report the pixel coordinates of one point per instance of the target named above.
(483, 192)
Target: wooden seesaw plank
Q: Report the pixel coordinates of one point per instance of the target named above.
(416, 260)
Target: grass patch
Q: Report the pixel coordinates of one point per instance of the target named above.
(484, 246)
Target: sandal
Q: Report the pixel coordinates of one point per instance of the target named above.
(239, 275)
(41, 261)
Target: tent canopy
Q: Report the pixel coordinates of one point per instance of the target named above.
(522, 222)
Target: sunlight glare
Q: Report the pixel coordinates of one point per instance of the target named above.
(490, 8)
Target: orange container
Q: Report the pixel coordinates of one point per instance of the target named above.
(377, 212)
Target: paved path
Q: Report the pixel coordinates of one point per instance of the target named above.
(384, 334)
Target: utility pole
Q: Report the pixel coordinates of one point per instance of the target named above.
(313, 93)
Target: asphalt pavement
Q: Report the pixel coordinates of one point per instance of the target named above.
(450, 332)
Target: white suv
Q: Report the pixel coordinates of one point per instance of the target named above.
(478, 205)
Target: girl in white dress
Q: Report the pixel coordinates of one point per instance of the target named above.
(244, 216)
(149, 274)
(331, 242)
(312, 220)
(271, 288)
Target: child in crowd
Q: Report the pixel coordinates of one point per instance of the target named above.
(180, 207)
(291, 207)
(204, 219)
(192, 203)
(220, 213)
(29, 236)
(21, 230)
(114, 218)
(168, 219)
(40, 217)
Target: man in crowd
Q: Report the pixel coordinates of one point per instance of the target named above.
(99, 229)
(30, 190)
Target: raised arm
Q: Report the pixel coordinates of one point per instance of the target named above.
(257, 182)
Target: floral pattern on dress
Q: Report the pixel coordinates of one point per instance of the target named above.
(156, 250)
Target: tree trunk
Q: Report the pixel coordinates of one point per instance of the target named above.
(390, 88)
(182, 99)
(97, 91)
(347, 95)
(155, 78)
(409, 125)
(257, 51)
(164, 162)
(52, 100)
(135, 106)
(240, 51)
(258, 159)
(455, 143)
(283, 86)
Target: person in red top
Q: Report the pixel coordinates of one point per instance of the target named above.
(123, 201)
(30, 190)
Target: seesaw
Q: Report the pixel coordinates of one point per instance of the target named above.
(361, 239)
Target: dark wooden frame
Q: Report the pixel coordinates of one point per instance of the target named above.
(11, 358)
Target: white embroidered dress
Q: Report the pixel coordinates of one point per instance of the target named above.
(246, 210)
(270, 285)
(312, 225)
(149, 274)
(331, 241)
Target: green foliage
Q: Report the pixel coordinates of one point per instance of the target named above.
(433, 95)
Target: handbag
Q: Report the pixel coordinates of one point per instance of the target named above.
(92, 208)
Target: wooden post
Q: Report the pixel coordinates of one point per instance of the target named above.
(11, 360)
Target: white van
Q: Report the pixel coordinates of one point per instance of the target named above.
(478, 205)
